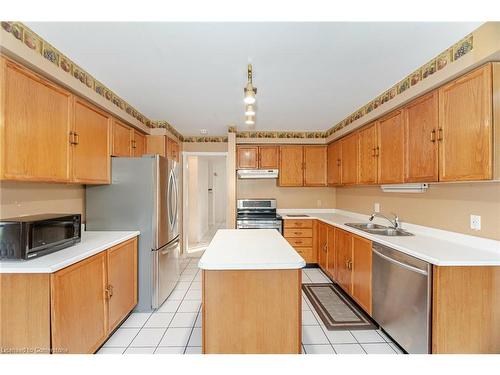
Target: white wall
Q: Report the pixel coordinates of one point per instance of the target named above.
(219, 189)
(202, 218)
(193, 198)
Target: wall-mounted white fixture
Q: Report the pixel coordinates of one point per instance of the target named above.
(405, 188)
(203, 131)
(249, 110)
(249, 120)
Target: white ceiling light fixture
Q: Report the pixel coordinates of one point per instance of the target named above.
(250, 110)
(249, 99)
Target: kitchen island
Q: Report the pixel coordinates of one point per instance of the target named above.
(251, 287)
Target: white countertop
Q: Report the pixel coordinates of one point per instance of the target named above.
(438, 247)
(258, 249)
(92, 242)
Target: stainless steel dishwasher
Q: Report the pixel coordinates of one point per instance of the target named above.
(402, 290)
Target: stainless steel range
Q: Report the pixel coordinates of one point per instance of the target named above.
(258, 214)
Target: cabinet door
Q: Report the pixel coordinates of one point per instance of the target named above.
(78, 306)
(36, 126)
(350, 159)
(291, 166)
(465, 127)
(172, 149)
(421, 147)
(362, 272)
(390, 151)
(343, 242)
(368, 155)
(122, 139)
(90, 139)
(334, 163)
(247, 157)
(322, 245)
(268, 157)
(122, 281)
(138, 144)
(156, 144)
(331, 254)
(315, 165)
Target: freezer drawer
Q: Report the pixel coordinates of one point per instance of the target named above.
(165, 271)
(402, 287)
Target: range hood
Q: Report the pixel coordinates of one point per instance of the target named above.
(257, 173)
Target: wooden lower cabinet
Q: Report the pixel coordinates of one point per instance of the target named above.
(343, 247)
(331, 262)
(466, 310)
(73, 310)
(79, 316)
(122, 281)
(322, 245)
(362, 272)
(302, 235)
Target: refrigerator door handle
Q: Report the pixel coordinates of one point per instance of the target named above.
(169, 202)
(176, 191)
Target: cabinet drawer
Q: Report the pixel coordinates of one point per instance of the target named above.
(298, 223)
(298, 232)
(300, 241)
(306, 253)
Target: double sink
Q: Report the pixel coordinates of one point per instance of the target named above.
(379, 229)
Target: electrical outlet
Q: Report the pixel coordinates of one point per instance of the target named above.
(376, 207)
(475, 222)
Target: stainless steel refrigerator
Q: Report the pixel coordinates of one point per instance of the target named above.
(143, 195)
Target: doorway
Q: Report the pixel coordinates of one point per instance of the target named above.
(205, 187)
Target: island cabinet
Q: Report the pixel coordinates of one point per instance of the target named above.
(302, 235)
(390, 152)
(73, 310)
(334, 163)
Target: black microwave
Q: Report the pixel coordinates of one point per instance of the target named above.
(28, 237)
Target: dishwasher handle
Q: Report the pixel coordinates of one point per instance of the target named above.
(401, 264)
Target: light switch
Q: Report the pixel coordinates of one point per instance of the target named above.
(475, 222)
(376, 207)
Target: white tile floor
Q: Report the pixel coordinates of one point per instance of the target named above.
(175, 328)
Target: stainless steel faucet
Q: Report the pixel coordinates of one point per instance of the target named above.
(395, 223)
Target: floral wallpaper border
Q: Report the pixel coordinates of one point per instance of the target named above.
(36, 43)
(33, 41)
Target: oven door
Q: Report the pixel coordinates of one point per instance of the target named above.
(260, 224)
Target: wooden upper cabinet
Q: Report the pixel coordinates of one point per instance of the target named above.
(36, 126)
(362, 272)
(247, 157)
(368, 151)
(122, 139)
(79, 320)
(323, 245)
(173, 150)
(391, 151)
(90, 144)
(343, 247)
(421, 146)
(122, 281)
(315, 165)
(156, 144)
(465, 127)
(268, 157)
(331, 267)
(291, 166)
(334, 163)
(138, 144)
(350, 159)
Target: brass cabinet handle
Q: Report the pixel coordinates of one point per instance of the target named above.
(72, 138)
(440, 134)
(325, 247)
(373, 152)
(297, 233)
(77, 138)
(433, 135)
(377, 151)
(298, 241)
(133, 143)
(338, 162)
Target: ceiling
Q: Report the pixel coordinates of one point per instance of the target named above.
(309, 75)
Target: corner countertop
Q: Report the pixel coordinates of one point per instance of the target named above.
(258, 249)
(92, 242)
(438, 247)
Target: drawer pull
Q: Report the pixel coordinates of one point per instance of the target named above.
(298, 241)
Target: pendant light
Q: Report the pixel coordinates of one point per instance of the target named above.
(249, 98)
